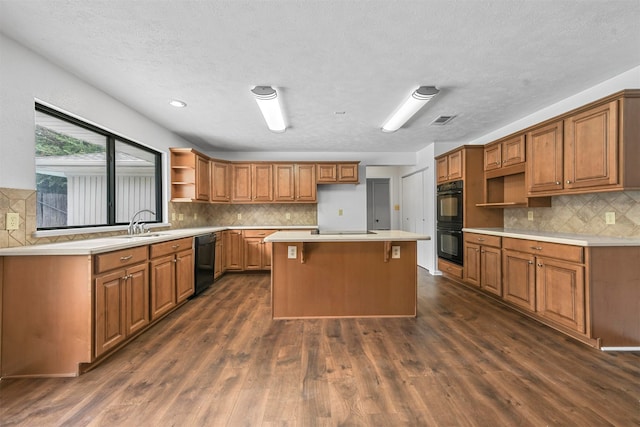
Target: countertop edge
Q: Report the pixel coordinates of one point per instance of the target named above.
(301, 237)
(553, 237)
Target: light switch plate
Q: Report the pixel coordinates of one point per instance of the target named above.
(530, 215)
(610, 217)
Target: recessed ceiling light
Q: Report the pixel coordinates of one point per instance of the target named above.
(177, 103)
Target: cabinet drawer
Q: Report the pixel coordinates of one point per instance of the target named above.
(164, 248)
(551, 250)
(122, 258)
(483, 239)
(258, 233)
(449, 268)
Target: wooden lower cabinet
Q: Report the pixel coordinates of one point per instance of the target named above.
(519, 279)
(121, 306)
(219, 266)
(234, 250)
(560, 293)
(172, 279)
(482, 262)
(257, 252)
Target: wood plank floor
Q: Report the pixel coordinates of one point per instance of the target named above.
(221, 361)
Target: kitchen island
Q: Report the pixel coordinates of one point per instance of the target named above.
(344, 274)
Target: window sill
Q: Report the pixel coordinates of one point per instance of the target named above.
(92, 230)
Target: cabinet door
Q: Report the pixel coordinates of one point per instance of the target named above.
(306, 186)
(110, 311)
(348, 173)
(560, 292)
(163, 286)
(327, 172)
(234, 250)
(492, 156)
(262, 182)
(471, 268)
(219, 182)
(267, 248)
(590, 148)
(253, 253)
(442, 169)
(184, 275)
(519, 275)
(241, 182)
(455, 165)
(490, 270)
(544, 158)
(513, 151)
(137, 298)
(219, 259)
(202, 178)
(284, 183)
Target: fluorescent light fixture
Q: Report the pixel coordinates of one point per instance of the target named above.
(177, 103)
(415, 102)
(267, 99)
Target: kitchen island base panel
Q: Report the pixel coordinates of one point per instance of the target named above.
(343, 279)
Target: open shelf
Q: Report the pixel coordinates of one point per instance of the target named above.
(506, 188)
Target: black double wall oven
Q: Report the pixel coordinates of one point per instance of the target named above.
(449, 221)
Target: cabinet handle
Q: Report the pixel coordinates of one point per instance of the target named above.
(175, 246)
(480, 239)
(536, 248)
(126, 258)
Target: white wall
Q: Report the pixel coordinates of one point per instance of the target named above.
(393, 173)
(25, 77)
(350, 198)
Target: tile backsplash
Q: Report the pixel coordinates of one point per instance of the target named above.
(582, 214)
(203, 214)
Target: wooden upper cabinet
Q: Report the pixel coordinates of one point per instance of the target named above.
(590, 147)
(284, 183)
(189, 175)
(450, 167)
(241, 182)
(337, 173)
(306, 186)
(506, 152)
(219, 181)
(262, 182)
(544, 158)
(202, 178)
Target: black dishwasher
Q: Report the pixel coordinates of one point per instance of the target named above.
(205, 261)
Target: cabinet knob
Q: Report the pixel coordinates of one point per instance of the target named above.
(568, 181)
(504, 161)
(557, 182)
(497, 163)
(540, 265)
(530, 262)
(483, 252)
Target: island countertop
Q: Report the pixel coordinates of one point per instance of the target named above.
(346, 236)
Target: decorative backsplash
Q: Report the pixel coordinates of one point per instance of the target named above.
(204, 214)
(582, 214)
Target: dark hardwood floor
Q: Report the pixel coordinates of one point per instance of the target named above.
(221, 361)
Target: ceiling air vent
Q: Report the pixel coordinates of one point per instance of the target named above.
(441, 120)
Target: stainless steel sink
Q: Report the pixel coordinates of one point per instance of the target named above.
(140, 236)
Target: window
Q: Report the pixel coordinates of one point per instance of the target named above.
(87, 177)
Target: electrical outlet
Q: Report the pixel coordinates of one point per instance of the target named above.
(395, 251)
(13, 221)
(339, 212)
(287, 215)
(292, 252)
(530, 215)
(396, 207)
(195, 216)
(173, 216)
(180, 217)
(610, 217)
(239, 216)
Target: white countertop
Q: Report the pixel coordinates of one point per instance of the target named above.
(114, 243)
(378, 235)
(553, 237)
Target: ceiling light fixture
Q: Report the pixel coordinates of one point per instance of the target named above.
(415, 102)
(267, 99)
(177, 103)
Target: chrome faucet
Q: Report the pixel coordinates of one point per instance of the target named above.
(134, 226)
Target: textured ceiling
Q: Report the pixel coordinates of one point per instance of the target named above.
(494, 62)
